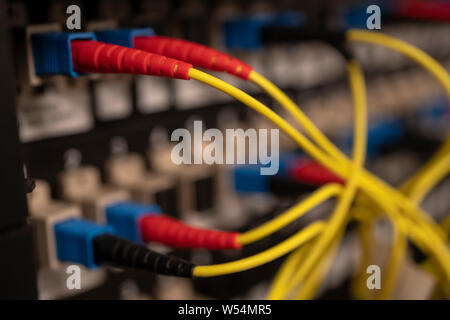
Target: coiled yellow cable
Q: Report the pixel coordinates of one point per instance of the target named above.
(416, 54)
(297, 136)
(417, 224)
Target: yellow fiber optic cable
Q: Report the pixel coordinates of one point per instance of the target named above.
(443, 150)
(409, 50)
(291, 214)
(446, 225)
(421, 187)
(336, 223)
(396, 259)
(312, 283)
(419, 56)
(412, 52)
(289, 105)
(283, 277)
(266, 256)
(371, 187)
(293, 133)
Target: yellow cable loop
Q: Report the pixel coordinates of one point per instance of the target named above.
(446, 224)
(321, 139)
(302, 141)
(439, 165)
(432, 243)
(409, 50)
(298, 137)
(419, 56)
(289, 105)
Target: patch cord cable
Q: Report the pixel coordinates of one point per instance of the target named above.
(433, 172)
(182, 47)
(209, 58)
(330, 236)
(441, 252)
(436, 172)
(192, 73)
(211, 270)
(91, 56)
(438, 166)
(397, 252)
(218, 61)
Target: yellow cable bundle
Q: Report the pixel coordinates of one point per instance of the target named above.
(408, 219)
(339, 217)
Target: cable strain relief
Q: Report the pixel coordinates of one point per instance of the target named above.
(238, 68)
(309, 171)
(171, 232)
(194, 53)
(99, 57)
(181, 70)
(112, 250)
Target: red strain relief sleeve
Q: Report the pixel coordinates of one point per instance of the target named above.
(311, 172)
(99, 57)
(191, 52)
(239, 69)
(171, 232)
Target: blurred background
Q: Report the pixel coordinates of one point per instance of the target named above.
(106, 134)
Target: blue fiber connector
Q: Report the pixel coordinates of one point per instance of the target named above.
(244, 32)
(123, 37)
(248, 178)
(125, 218)
(379, 133)
(74, 240)
(52, 52)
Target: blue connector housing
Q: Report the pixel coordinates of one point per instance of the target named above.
(379, 134)
(287, 160)
(245, 32)
(248, 178)
(52, 52)
(123, 37)
(74, 240)
(355, 16)
(125, 218)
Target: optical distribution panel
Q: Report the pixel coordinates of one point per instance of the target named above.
(85, 154)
